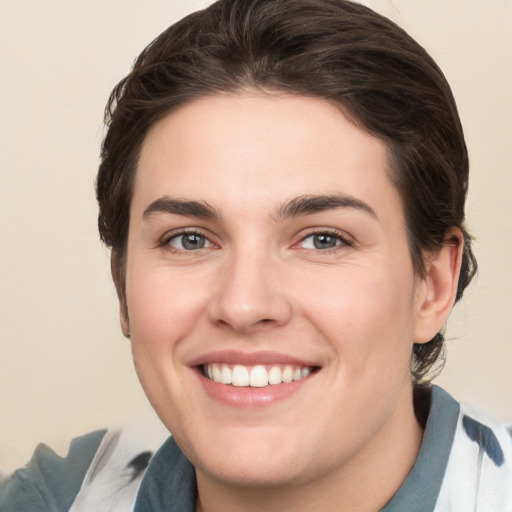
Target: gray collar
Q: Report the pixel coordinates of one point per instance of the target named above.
(169, 484)
(420, 489)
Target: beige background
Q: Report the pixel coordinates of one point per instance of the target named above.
(64, 366)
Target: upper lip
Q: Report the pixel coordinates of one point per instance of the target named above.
(250, 358)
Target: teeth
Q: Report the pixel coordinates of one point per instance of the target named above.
(226, 376)
(287, 374)
(257, 376)
(305, 372)
(275, 375)
(217, 374)
(240, 376)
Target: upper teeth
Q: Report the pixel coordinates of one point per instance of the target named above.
(256, 376)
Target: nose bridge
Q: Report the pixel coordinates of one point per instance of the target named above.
(248, 293)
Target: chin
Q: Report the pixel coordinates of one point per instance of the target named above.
(268, 473)
(251, 460)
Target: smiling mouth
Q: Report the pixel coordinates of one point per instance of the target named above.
(258, 376)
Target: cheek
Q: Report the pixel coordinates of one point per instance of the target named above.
(162, 305)
(163, 309)
(367, 317)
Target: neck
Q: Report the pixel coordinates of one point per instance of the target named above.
(365, 483)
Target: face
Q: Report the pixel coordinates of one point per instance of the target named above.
(272, 302)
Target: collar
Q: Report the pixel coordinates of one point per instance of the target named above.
(170, 484)
(423, 483)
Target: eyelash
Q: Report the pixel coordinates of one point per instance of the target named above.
(341, 241)
(165, 241)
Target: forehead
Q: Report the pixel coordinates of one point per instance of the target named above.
(253, 150)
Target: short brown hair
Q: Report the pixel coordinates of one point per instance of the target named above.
(332, 49)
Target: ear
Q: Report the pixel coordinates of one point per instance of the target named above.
(438, 288)
(118, 271)
(124, 320)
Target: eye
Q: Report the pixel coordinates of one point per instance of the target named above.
(188, 241)
(323, 241)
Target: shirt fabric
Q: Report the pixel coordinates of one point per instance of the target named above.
(464, 465)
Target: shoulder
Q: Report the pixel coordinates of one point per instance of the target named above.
(479, 470)
(50, 482)
(102, 471)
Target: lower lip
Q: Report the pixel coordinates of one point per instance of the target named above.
(251, 397)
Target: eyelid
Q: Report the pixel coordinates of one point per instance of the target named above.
(344, 239)
(176, 233)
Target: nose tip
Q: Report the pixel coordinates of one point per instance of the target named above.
(248, 297)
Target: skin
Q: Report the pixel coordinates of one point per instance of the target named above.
(353, 307)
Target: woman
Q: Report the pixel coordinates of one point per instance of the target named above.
(282, 186)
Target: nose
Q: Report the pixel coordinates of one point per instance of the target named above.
(250, 295)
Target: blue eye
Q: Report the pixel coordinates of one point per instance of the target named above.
(189, 241)
(323, 241)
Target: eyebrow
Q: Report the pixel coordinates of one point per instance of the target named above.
(295, 207)
(200, 209)
(310, 204)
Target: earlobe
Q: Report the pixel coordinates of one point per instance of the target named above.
(123, 318)
(439, 287)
